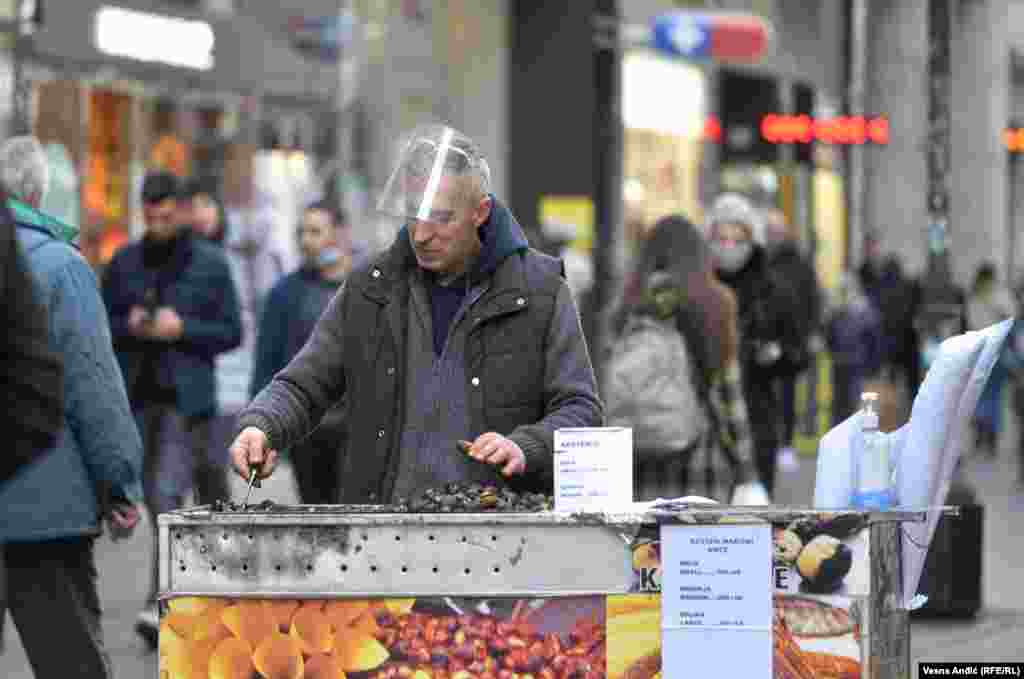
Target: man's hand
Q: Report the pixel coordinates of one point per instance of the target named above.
(251, 449)
(138, 321)
(495, 449)
(121, 521)
(167, 325)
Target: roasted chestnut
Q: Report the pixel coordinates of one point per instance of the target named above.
(788, 546)
(823, 563)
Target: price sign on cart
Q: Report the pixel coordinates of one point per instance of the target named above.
(716, 593)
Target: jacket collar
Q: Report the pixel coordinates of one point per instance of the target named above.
(29, 217)
(501, 235)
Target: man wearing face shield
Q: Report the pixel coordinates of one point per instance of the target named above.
(769, 325)
(459, 331)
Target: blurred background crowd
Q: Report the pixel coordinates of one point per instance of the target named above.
(833, 207)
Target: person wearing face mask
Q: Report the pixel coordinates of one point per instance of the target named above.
(291, 311)
(768, 318)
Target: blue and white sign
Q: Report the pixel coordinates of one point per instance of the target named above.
(683, 34)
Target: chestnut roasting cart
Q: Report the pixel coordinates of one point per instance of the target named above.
(369, 593)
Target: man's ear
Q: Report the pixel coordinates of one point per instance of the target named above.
(483, 211)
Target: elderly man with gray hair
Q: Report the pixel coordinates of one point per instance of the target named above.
(51, 512)
(24, 171)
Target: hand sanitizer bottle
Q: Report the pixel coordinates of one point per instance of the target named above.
(873, 489)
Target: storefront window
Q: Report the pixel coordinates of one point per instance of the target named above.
(663, 140)
(58, 104)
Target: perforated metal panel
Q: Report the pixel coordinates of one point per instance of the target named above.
(323, 551)
(380, 558)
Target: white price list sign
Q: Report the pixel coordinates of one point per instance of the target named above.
(716, 594)
(593, 468)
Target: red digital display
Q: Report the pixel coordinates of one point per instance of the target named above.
(843, 130)
(803, 129)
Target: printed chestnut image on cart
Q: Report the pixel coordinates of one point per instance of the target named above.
(430, 638)
(821, 550)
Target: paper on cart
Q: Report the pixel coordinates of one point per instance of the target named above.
(935, 436)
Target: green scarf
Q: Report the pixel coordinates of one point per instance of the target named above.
(26, 214)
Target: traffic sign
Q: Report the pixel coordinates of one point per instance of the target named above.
(711, 36)
(323, 36)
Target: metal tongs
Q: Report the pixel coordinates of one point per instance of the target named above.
(253, 481)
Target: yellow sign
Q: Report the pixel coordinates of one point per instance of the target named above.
(569, 219)
(830, 221)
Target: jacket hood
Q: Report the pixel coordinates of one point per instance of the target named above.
(500, 238)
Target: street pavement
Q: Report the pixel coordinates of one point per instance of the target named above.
(997, 633)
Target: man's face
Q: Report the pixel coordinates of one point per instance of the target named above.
(447, 240)
(202, 212)
(731, 233)
(315, 233)
(161, 218)
(870, 249)
(776, 230)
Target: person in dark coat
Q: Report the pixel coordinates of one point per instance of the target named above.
(31, 374)
(786, 260)
(293, 307)
(459, 331)
(869, 272)
(770, 339)
(854, 339)
(898, 302)
(173, 308)
(53, 510)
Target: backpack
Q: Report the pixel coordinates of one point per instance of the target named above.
(649, 387)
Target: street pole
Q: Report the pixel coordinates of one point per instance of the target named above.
(21, 87)
(942, 306)
(857, 94)
(1013, 163)
(938, 154)
(607, 181)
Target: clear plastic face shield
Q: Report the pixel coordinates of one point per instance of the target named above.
(439, 173)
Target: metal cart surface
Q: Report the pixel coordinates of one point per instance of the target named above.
(338, 591)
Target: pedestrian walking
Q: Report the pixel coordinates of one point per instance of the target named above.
(293, 307)
(1012, 360)
(53, 510)
(786, 259)
(988, 304)
(898, 301)
(705, 449)
(770, 340)
(459, 331)
(31, 374)
(173, 309)
(854, 340)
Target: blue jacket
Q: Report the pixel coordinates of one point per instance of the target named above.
(99, 446)
(201, 290)
(292, 308)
